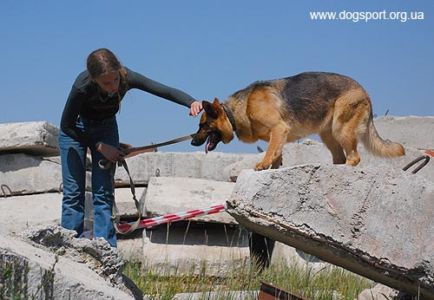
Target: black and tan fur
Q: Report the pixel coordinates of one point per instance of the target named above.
(283, 110)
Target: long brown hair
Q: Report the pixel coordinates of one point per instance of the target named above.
(102, 61)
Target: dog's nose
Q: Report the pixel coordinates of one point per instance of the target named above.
(195, 141)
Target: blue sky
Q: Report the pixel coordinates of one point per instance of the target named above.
(209, 49)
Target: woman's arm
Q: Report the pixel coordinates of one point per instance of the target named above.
(70, 114)
(136, 80)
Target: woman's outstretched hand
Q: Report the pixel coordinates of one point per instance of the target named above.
(195, 108)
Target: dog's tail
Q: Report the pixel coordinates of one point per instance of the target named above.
(377, 146)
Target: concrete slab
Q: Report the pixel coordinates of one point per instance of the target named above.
(176, 164)
(176, 194)
(37, 138)
(290, 256)
(125, 201)
(216, 250)
(372, 221)
(22, 174)
(18, 213)
(21, 212)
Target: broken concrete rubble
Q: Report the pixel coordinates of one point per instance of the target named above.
(57, 266)
(96, 253)
(25, 169)
(376, 222)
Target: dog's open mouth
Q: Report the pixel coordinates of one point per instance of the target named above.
(214, 138)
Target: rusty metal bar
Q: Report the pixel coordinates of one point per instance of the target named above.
(4, 188)
(421, 165)
(270, 292)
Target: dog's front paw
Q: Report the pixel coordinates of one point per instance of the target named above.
(262, 166)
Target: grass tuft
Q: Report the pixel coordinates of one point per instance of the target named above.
(327, 283)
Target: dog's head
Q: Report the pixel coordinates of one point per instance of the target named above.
(214, 126)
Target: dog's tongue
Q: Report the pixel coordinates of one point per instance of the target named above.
(207, 147)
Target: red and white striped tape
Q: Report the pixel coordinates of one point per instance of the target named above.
(151, 222)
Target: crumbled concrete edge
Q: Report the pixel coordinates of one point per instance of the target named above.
(96, 254)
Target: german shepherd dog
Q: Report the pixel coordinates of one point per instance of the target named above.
(283, 110)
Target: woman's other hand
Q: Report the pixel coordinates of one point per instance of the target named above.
(111, 153)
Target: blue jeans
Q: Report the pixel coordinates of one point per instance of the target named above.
(73, 160)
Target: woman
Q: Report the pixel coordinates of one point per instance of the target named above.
(89, 122)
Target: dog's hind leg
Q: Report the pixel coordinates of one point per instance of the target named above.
(349, 144)
(346, 135)
(351, 113)
(334, 147)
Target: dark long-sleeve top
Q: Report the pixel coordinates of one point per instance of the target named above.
(87, 100)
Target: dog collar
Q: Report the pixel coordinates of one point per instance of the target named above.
(230, 116)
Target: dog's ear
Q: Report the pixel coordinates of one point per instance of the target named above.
(216, 103)
(209, 109)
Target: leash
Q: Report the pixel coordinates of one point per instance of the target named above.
(115, 211)
(106, 164)
(168, 218)
(425, 157)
